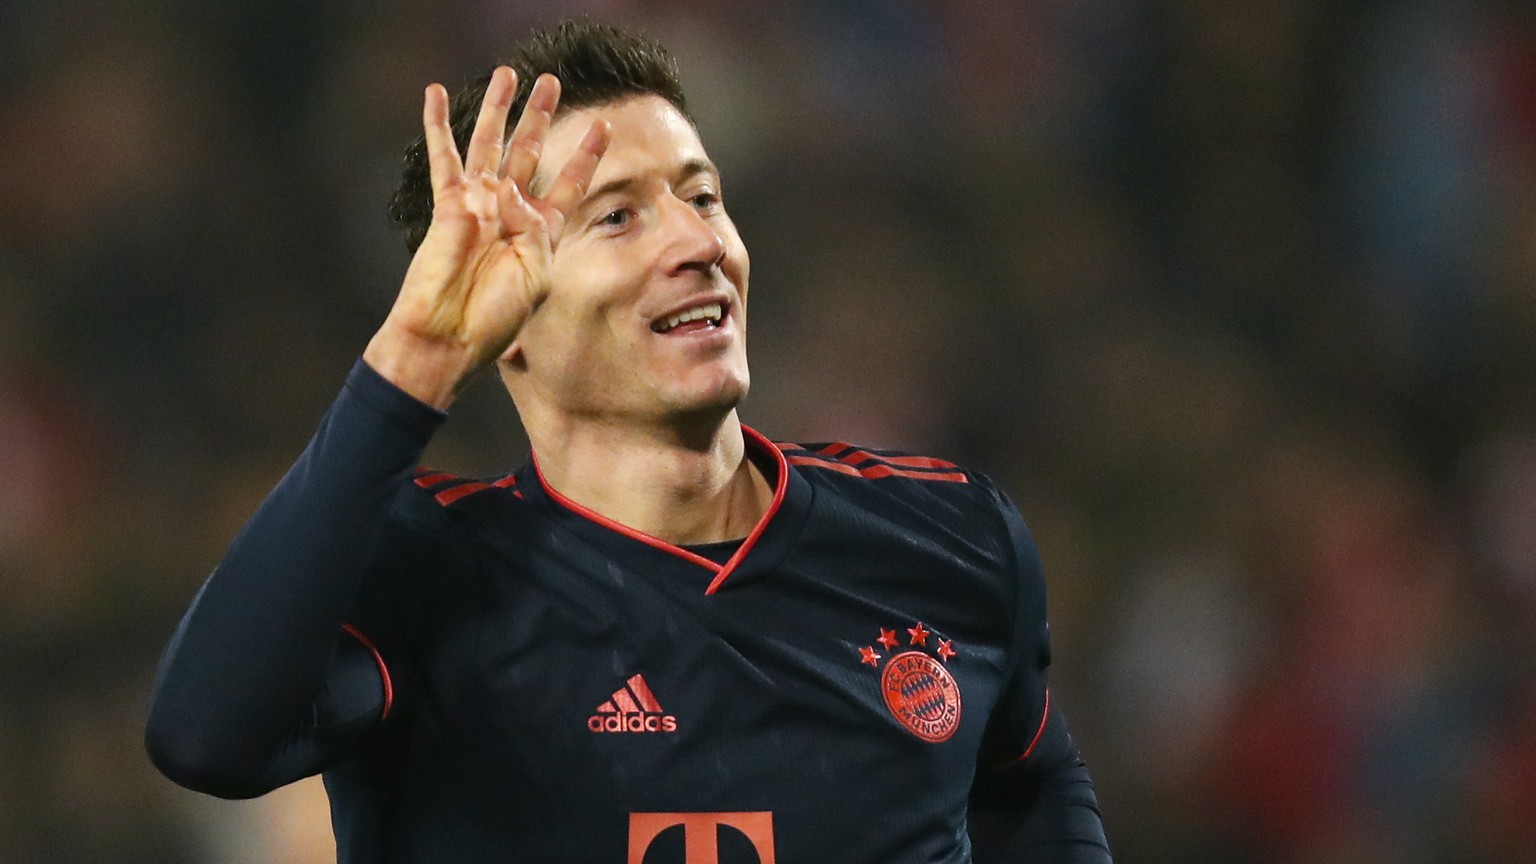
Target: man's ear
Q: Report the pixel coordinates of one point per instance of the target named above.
(513, 356)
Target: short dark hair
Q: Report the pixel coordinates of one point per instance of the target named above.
(596, 64)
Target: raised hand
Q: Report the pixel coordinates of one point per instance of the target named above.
(484, 264)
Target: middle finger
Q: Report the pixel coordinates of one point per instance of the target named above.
(485, 150)
(527, 143)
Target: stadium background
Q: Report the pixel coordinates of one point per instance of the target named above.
(1237, 299)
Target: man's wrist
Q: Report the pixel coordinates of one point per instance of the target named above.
(431, 372)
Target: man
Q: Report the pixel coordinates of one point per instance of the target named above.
(663, 639)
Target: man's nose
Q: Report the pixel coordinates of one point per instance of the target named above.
(693, 243)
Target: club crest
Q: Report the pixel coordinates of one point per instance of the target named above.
(919, 691)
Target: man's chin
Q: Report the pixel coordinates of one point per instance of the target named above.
(707, 400)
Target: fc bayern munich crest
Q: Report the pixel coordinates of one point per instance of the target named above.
(918, 690)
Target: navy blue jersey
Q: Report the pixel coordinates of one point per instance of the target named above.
(487, 671)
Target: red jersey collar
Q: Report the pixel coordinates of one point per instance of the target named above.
(755, 442)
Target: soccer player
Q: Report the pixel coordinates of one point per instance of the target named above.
(663, 639)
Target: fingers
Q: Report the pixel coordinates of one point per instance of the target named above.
(517, 161)
(442, 156)
(485, 150)
(567, 190)
(527, 142)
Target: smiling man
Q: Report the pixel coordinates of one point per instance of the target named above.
(665, 638)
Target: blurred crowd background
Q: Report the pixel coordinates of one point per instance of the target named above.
(1238, 300)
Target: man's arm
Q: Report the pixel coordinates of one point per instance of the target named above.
(1032, 799)
(253, 691)
(1040, 807)
(260, 685)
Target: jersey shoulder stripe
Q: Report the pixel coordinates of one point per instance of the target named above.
(869, 463)
(447, 488)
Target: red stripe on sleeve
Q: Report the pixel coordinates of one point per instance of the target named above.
(389, 687)
(875, 472)
(432, 479)
(835, 447)
(859, 456)
(1046, 715)
(813, 462)
(448, 496)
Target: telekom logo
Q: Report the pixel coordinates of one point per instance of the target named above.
(700, 838)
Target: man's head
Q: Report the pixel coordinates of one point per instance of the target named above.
(649, 242)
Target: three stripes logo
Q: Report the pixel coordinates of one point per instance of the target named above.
(632, 708)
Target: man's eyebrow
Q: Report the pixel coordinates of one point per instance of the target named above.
(619, 184)
(698, 166)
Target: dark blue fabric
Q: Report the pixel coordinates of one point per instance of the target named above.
(553, 677)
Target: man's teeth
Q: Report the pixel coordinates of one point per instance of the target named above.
(711, 311)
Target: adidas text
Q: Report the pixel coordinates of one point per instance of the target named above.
(632, 723)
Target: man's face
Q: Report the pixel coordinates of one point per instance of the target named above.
(650, 243)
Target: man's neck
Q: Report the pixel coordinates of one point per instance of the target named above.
(681, 488)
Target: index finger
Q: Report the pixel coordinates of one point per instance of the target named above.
(442, 155)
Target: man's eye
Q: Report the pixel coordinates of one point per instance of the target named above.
(616, 219)
(706, 200)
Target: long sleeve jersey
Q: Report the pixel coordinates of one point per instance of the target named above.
(486, 671)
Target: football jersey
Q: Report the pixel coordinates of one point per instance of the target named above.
(518, 678)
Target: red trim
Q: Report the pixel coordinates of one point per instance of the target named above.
(432, 479)
(720, 571)
(509, 480)
(858, 456)
(814, 462)
(834, 447)
(1041, 731)
(448, 496)
(389, 687)
(875, 472)
(593, 515)
(855, 455)
(780, 488)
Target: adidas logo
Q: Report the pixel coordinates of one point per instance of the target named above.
(633, 708)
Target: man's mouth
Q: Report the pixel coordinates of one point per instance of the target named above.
(702, 317)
